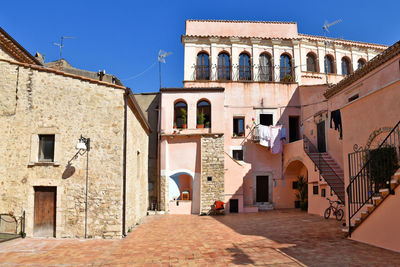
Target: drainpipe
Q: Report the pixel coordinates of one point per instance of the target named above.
(158, 154)
(124, 164)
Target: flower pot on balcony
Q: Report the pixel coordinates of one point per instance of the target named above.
(200, 125)
(184, 126)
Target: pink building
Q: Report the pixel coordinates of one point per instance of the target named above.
(242, 81)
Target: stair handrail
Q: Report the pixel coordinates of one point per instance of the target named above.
(307, 145)
(362, 180)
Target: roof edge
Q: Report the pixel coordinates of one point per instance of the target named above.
(241, 21)
(139, 113)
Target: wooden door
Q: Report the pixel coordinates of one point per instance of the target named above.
(45, 211)
(321, 137)
(262, 193)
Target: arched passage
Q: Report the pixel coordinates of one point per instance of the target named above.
(184, 192)
(292, 184)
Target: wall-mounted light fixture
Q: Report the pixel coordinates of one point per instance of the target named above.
(84, 145)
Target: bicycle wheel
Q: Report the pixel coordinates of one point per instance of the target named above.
(339, 214)
(327, 213)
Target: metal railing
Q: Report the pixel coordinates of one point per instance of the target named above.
(12, 225)
(371, 170)
(323, 166)
(243, 73)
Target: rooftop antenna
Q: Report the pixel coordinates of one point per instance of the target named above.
(61, 45)
(326, 30)
(161, 59)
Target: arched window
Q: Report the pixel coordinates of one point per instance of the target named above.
(244, 67)
(204, 114)
(286, 68)
(311, 62)
(360, 63)
(202, 67)
(345, 66)
(329, 64)
(224, 67)
(265, 70)
(180, 115)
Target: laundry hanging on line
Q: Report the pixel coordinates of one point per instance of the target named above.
(337, 121)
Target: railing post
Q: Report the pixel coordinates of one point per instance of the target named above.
(348, 208)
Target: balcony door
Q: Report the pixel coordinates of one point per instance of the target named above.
(321, 137)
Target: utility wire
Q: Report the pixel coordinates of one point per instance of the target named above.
(143, 72)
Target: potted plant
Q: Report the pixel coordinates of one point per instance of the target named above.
(200, 122)
(288, 78)
(302, 193)
(208, 124)
(184, 118)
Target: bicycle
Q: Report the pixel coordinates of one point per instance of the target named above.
(338, 212)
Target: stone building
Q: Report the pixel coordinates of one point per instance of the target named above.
(43, 113)
(239, 77)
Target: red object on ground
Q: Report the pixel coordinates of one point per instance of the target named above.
(219, 205)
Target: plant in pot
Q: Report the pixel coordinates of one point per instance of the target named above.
(208, 124)
(302, 192)
(184, 118)
(200, 120)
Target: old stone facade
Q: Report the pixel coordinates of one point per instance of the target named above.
(36, 102)
(212, 171)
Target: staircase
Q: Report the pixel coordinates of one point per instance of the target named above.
(374, 180)
(328, 168)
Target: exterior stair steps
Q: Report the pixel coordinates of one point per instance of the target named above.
(331, 172)
(376, 200)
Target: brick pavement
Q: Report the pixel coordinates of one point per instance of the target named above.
(274, 238)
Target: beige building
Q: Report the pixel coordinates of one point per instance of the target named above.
(43, 113)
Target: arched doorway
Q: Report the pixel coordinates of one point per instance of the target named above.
(294, 186)
(184, 192)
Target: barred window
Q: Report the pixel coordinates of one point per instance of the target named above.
(311, 62)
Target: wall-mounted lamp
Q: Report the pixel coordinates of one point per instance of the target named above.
(84, 144)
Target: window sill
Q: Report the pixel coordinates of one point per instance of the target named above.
(238, 137)
(44, 163)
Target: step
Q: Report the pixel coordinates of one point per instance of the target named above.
(357, 221)
(377, 200)
(364, 214)
(385, 192)
(370, 207)
(345, 230)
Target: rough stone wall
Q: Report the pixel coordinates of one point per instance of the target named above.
(212, 165)
(36, 102)
(136, 178)
(164, 193)
(5, 55)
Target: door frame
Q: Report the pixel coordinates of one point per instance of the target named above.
(270, 187)
(325, 136)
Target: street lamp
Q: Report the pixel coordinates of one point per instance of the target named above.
(84, 144)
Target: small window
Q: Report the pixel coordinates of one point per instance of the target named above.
(237, 154)
(266, 119)
(360, 63)
(238, 126)
(294, 128)
(224, 67)
(323, 192)
(345, 66)
(315, 189)
(244, 67)
(295, 185)
(286, 73)
(329, 67)
(202, 67)
(46, 147)
(352, 98)
(311, 63)
(180, 117)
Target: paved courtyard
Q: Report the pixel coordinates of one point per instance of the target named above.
(275, 238)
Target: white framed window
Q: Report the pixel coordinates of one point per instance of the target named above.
(238, 153)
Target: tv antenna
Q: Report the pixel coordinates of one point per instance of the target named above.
(61, 44)
(161, 59)
(326, 30)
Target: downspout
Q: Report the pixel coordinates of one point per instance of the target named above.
(158, 155)
(124, 164)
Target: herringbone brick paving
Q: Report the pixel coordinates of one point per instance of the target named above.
(273, 238)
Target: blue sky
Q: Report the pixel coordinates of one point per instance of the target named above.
(124, 37)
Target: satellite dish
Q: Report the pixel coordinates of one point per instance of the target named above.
(162, 55)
